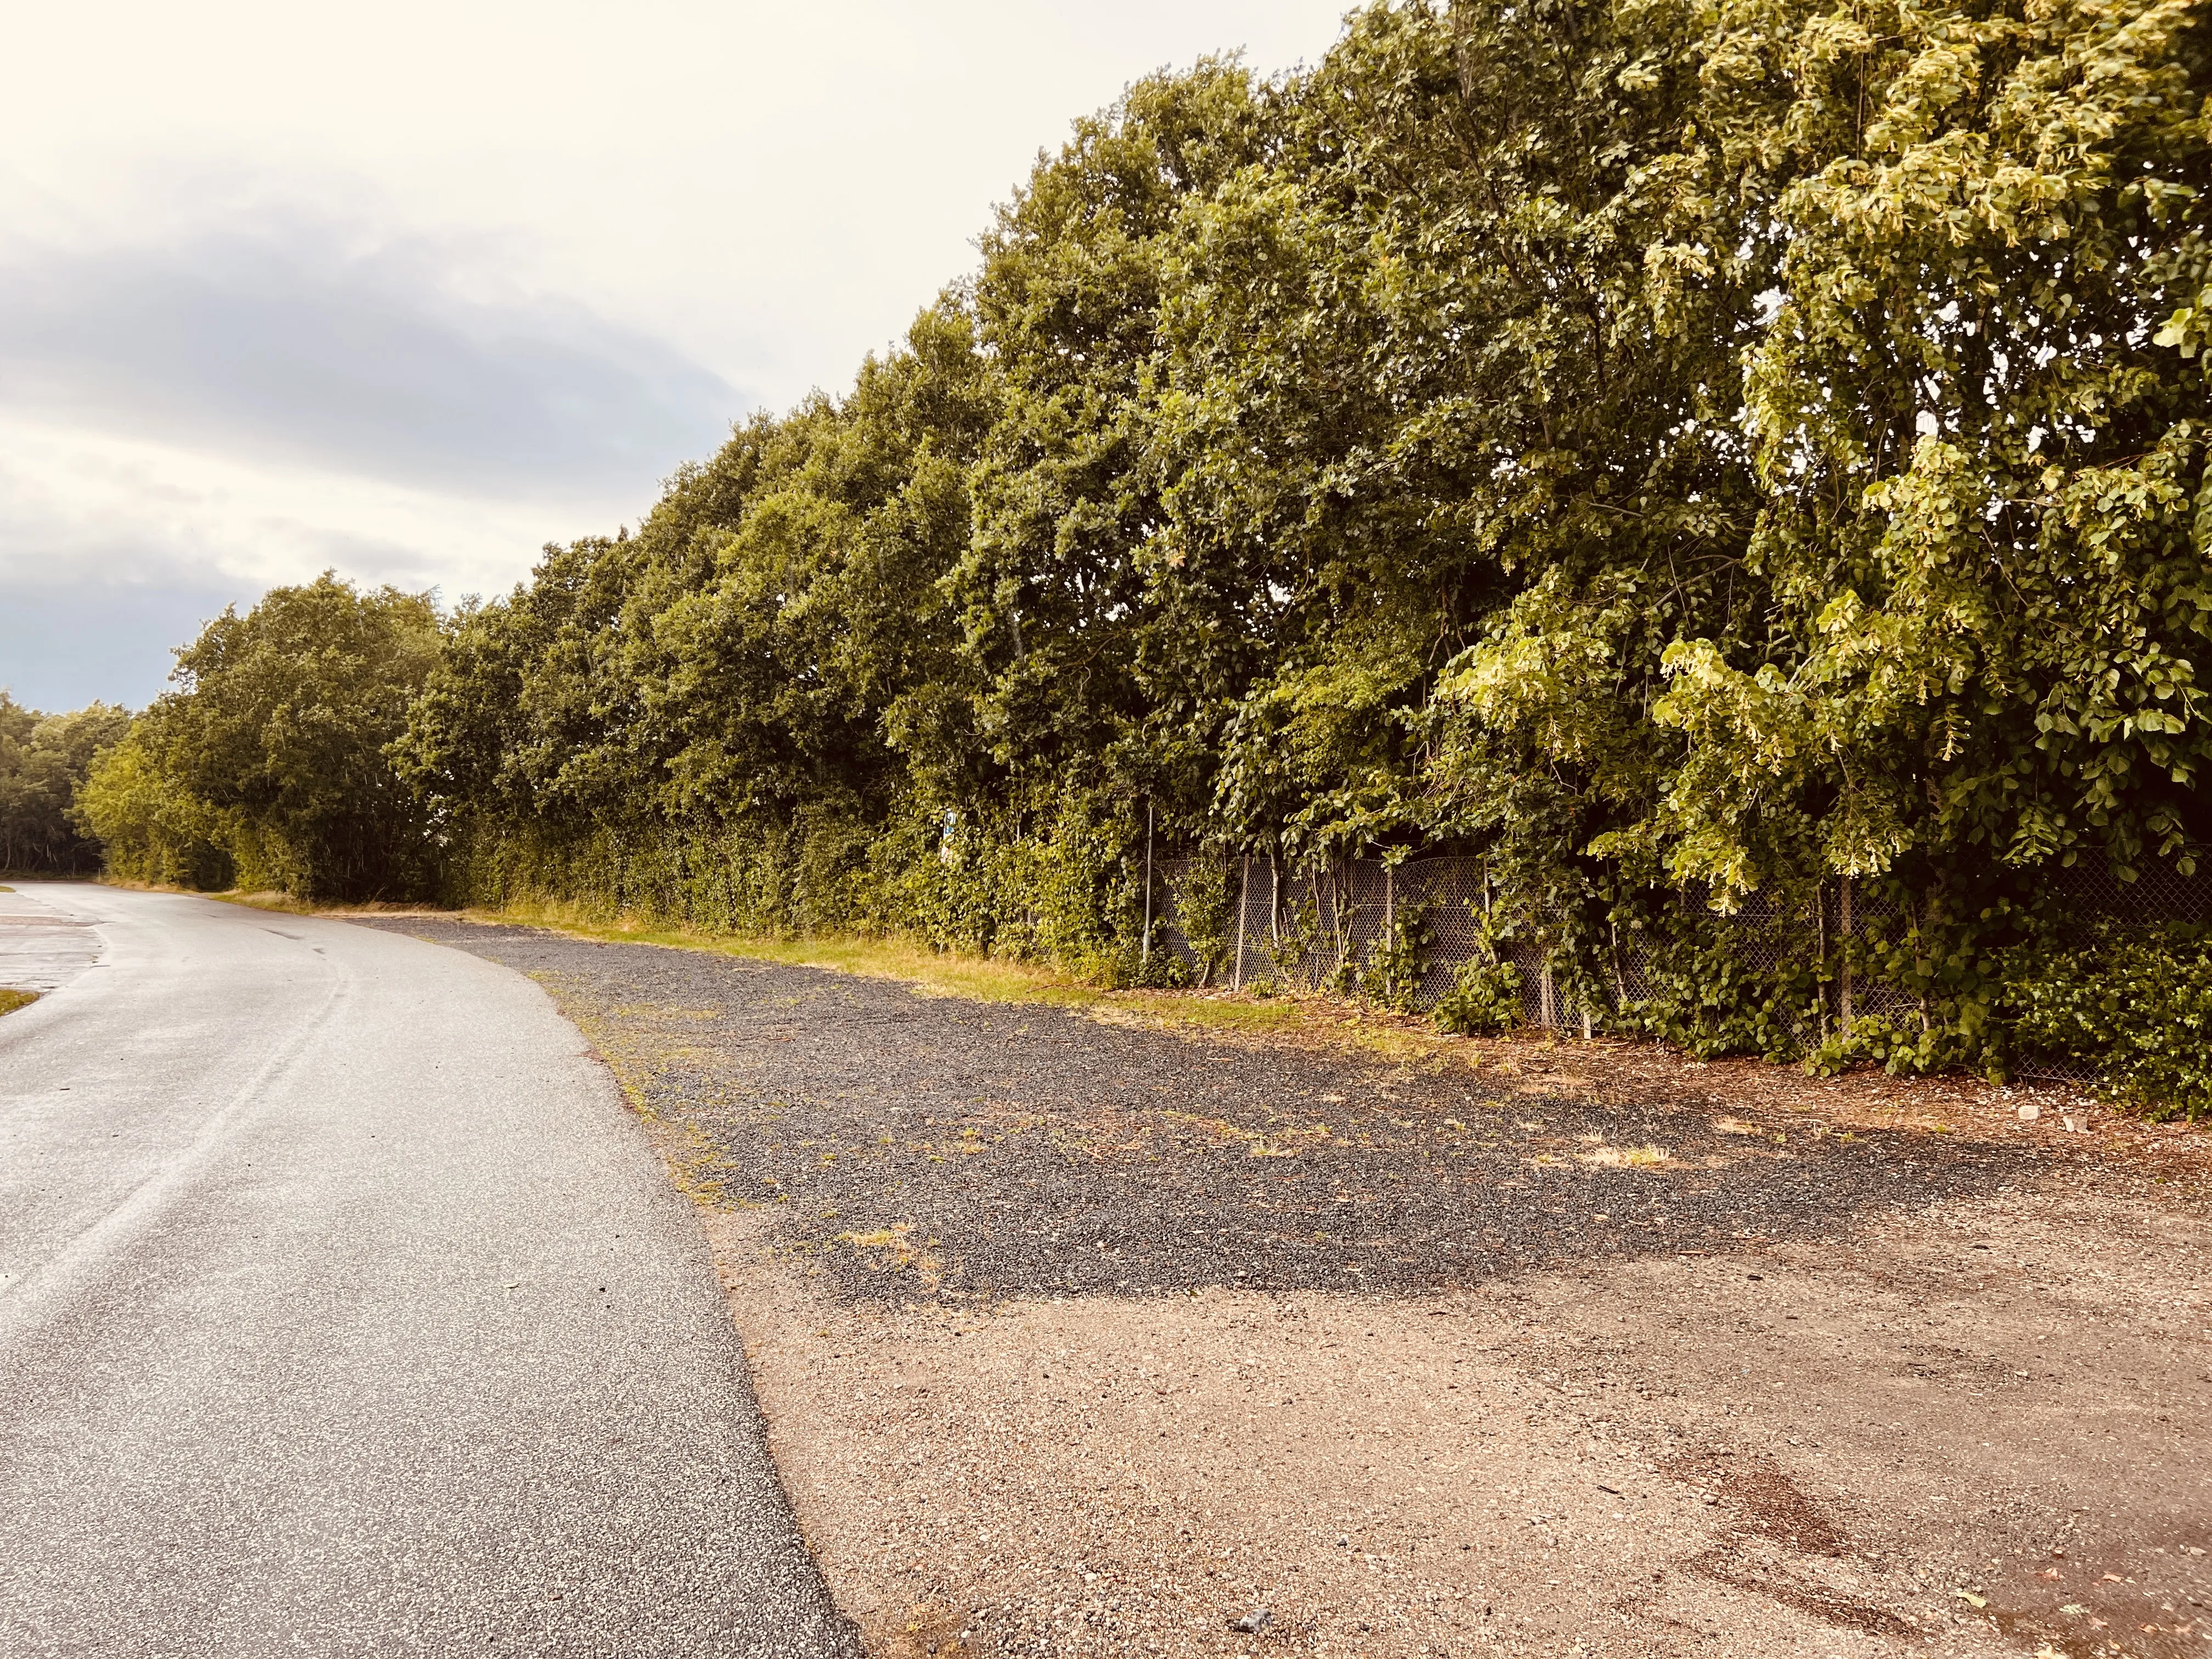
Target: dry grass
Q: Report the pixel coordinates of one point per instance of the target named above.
(10, 1001)
(286, 904)
(1626, 1157)
(1607, 1069)
(974, 978)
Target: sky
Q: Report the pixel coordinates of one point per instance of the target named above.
(409, 291)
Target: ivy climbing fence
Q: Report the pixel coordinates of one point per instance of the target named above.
(1404, 931)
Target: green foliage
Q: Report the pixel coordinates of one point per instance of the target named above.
(1710, 998)
(1205, 911)
(149, 829)
(1979, 442)
(1657, 448)
(1485, 999)
(44, 759)
(1393, 973)
(2139, 1009)
(267, 764)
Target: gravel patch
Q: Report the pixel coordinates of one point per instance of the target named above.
(1021, 1150)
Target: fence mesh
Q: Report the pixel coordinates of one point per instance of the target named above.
(1334, 927)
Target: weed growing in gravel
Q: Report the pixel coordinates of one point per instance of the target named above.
(1627, 1158)
(894, 1249)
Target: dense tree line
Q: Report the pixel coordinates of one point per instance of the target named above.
(1654, 446)
(44, 760)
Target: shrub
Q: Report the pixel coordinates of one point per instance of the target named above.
(1483, 1000)
(2140, 1010)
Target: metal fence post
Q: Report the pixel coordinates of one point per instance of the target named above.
(1244, 902)
(1144, 951)
(1844, 922)
(1390, 933)
(1820, 943)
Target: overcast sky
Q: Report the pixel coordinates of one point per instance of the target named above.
(411, 290)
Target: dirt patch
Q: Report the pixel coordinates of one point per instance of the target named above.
(1663, 1457)
(1083, 1337)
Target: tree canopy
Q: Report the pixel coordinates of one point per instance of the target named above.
(1658, 446)
(266, 763)
(44, 759)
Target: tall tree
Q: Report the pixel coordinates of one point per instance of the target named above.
(271, 750)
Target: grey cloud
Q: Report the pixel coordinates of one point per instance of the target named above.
(282, 342)
(62, 647)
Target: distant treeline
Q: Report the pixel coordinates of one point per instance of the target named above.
(1651, 447)
(44, 759)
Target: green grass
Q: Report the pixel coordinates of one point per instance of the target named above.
(989, 979)
(11, 1000)
(970, 978)
(932, 973)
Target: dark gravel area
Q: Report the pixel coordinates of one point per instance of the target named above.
(929, 1145)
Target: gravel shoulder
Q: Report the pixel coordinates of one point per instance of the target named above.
(1079, 1334)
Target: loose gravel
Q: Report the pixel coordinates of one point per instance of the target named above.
(1009, 1150)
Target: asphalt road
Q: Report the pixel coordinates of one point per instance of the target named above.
(344, 1309)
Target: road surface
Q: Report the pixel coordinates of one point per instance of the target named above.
(344, 1309)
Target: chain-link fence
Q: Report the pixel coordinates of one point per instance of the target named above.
(1404, 931)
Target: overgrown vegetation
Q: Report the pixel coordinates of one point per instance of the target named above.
(2140, 1009)
(1732, 446)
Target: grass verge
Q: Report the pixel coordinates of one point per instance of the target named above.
(991, 978)
(971, 978)
(11, 1000)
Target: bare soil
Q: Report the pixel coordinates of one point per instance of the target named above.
(1084, 1335)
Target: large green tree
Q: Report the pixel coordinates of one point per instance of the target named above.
(1978, 419)
(769, 658)
(267, 762)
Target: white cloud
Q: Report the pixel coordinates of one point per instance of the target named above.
(275, 340)
(83, 505)
(417, 289)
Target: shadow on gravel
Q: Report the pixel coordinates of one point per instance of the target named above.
(929, 1146)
